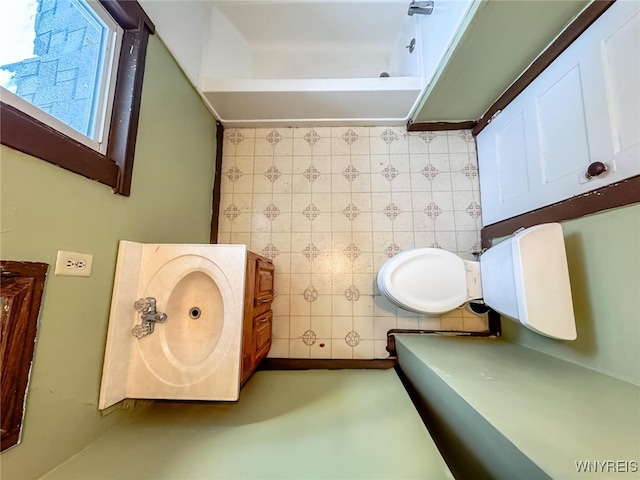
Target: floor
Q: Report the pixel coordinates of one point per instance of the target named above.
(330, 205)
(315, 424)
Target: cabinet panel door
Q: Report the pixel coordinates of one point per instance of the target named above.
(584, 108)
(262, 335)
(20, 296)
(621, 61)
(15, 298)
(264, 283)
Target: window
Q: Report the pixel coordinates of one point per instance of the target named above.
(71, 87)
(62, 65)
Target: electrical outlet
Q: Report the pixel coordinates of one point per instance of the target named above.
(73, 264)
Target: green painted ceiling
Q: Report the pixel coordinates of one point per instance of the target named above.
(501, 41)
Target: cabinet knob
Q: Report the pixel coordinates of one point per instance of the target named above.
(595, 169)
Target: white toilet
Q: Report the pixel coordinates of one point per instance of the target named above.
(525, 278)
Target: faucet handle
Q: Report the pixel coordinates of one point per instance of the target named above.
(420, 7)
(141, 330)
(143, 304)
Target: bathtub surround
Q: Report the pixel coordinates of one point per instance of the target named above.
(45, 208)
(309, 63)
(330, 206)
(246, 64)
(287, 69)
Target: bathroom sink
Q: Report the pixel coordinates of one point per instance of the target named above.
(194, 353)
(190, 345)
(196, 309)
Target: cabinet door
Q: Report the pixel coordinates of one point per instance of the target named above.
(262, 335)
(20, 296)
(264, 283)
(583, 108)
(257, 323)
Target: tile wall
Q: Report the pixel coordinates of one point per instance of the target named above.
(330, 205)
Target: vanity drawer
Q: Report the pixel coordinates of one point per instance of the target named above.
(262, 333)
(264, 283)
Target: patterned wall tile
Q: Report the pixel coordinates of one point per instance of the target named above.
(365, 349)
(363, 307)
(330, 205)
(298, 349)
(321, 349)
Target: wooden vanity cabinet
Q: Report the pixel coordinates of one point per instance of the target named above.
(258, 317)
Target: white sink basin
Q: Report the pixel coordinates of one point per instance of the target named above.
(195, 354)
(196, 310)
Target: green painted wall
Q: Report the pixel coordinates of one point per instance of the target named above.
(501, 41)
(603, 253)
(45, 208)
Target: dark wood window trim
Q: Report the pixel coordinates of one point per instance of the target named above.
(325, 364)
(616, 195)
(440, 126)
(583, 21)
(28, 135)
(217, 181)
(22, 286)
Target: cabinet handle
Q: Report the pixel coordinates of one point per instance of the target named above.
(595, 169)
(263, 320)
(264, 300)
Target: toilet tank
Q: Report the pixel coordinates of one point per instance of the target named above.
(526, 278)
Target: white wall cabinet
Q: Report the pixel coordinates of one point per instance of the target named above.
(584, 108)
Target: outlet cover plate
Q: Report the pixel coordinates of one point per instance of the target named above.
(73, 264)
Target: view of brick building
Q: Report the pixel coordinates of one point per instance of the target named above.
(60, 78)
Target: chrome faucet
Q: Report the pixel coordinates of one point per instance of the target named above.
(150, 316)
(420, 8)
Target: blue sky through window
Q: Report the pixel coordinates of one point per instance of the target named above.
(56, 59)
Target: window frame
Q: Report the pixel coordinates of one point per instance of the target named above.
(102, 102)
(114, 168)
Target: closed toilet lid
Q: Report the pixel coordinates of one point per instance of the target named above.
(429, 280)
